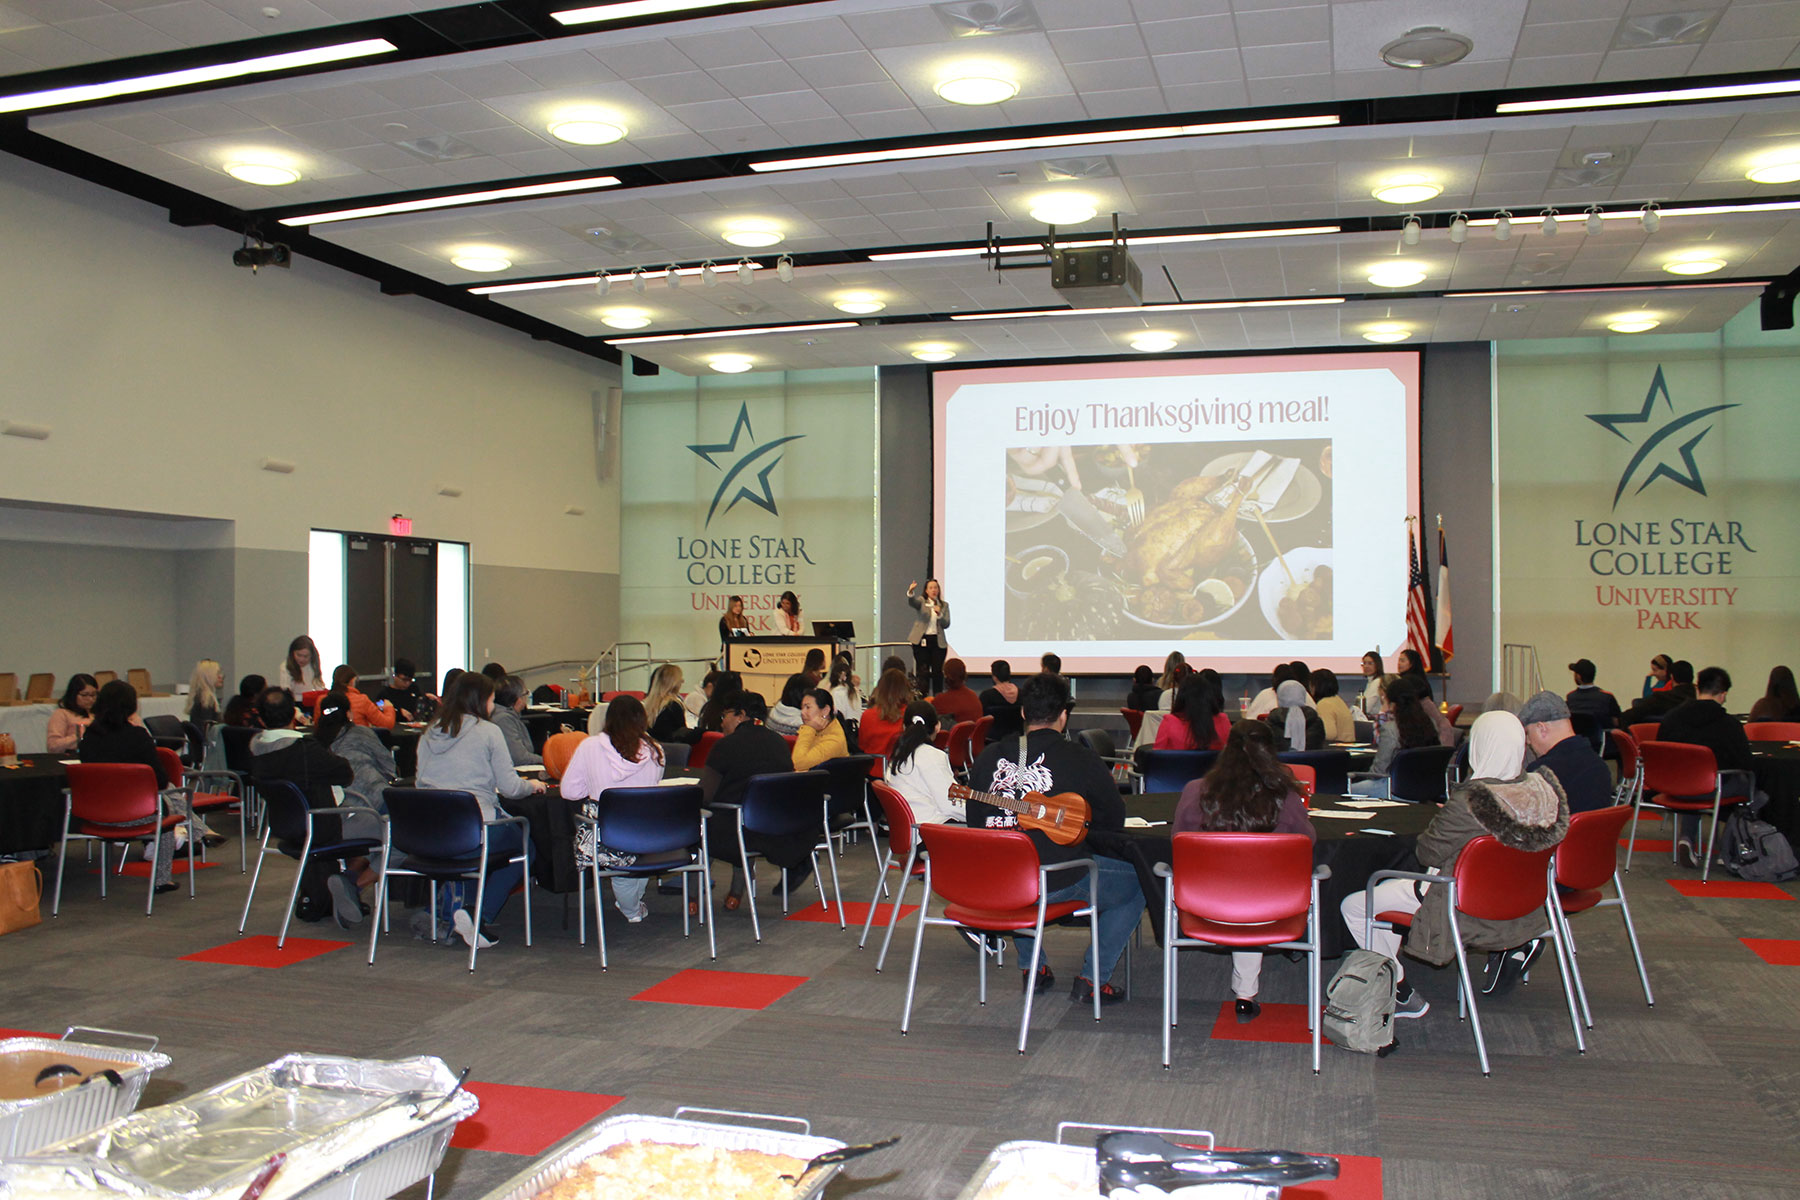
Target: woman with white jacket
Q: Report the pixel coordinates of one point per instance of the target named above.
(921, 772)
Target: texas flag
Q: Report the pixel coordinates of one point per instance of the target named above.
(1446, 639)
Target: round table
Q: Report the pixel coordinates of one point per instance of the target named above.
(31, 804)
(1778, 775)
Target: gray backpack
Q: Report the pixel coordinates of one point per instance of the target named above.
(1359, 1003)
(1753, 849)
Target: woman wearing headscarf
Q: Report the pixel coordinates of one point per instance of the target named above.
(1525, 810)
(1296, 720)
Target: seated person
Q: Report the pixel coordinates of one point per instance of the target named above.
(1703, 721)
(846, 688)
(1339, 721)
(814, 667)
(1194, 722)
(748, 748)
(371, 762)
(821, 737)
(621, 755)
(376, 713)
(880, 723)
(1050, 663)
(694, 701)
(1570, 757)
(726, 684)
(1296, 718)
(1144, 693)
(957, 700)
(1248, 790)
(1780, 702)
(1001, 701)
(1263, 703)
(510, 699)
(465, 751)
(921, 772)
(1525, 810)
(240, 710)
(1662, 700)
(1043, 760)
(283, 751)
(1590, 700)
(202, 707)
(116, 734)
(1401, 725)
(403, 692)
(1661, 676)
(663, 705)
(72, 715)
(784, 718)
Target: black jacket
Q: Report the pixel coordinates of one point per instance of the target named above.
(314, 769)
(130, 744)
(1706, 723)
(1584, 777)
(1053, 764)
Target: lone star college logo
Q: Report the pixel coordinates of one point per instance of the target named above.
(754, 453)
(1687, 474)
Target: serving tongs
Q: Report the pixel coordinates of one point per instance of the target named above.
(832, 1157)
(1130, 1160)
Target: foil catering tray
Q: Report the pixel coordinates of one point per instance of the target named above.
(598, 1136)
(31, 1122)
(352, 1129)
(1058, 1171)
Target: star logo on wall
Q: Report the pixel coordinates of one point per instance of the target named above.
(751, 455)
(1673, 457)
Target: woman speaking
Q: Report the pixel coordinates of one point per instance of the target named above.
(927, 636)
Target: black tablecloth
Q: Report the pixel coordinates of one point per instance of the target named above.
(1352, 855)
(552, 824)
(1778, 774)
(404, 743)
(31, 804)
(541, 724)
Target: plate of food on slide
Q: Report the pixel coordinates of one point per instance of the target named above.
(1120, 541)
(1296, 596)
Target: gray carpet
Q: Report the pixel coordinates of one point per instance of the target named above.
(1697, 1097)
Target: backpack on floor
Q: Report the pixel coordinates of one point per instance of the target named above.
(1754, 850)
(1359, 1003)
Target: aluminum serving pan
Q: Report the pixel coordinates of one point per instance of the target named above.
(598, 1136)
(351, 1129)
(34, 1121)
(1058, 1171)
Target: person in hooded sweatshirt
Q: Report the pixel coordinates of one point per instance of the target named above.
(1525, 810)
(622, 754)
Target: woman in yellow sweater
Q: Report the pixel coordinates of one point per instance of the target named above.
(820, 737)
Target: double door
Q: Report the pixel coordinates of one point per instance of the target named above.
(391, 603)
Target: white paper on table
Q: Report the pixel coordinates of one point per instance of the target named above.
(69, 762)
(675, 781)
(1373, 829)
(1374, 803)
(1141, 823)
(1339, 814)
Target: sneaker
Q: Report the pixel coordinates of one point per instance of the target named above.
(1410, 1005)
(346, 908)
(1493, 974)
(1685, 854)
(1247, 1011)
(1520, 960)
(1083, 992)
(465, 929)
(1046, 979)
(635, 915)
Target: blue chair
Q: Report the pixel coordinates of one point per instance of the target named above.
(443, 838)
(847, 806)
(287, 819)
(1172, 770)
(648, 821)
(781, 804)
(1331, 768)
(1422, 774)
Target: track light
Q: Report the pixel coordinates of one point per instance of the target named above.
(1459, 228)
(784, 267)
(709, 275)
(1548, 228)
(637, 280)
(745, 269)
(1410, 230)
(1651, 217)
(674, 277)
(602, 284)
(1503, 226)
(1594, 219)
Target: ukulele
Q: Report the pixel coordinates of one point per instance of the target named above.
(1063, 818)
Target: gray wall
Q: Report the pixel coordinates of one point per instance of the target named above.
(1456, 478)
(522, 616)
(74, 608)
(905, 494)
(269, 600)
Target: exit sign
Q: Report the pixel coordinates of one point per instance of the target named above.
(400, 526)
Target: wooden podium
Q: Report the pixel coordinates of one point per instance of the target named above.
(766, 662)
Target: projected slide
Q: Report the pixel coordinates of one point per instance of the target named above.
(1243, 510)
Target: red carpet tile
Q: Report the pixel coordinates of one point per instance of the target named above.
(12, 1033)
(1649, 846)
(1359, 1178)
(1780, 952)
(1279, 1023)
(855, 912)
(526, 1120)
(261, 952)
(141, 870)
(1728, 889)
(722, 989)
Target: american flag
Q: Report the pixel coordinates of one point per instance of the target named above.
(1418, 604)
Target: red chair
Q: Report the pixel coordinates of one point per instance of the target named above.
(1645, 731)
(1134, 720)
(1453, 712)
(1306, 779)
(904, 854)
(941, 739)
(190, 782)
(1773, 731)
(962, 736)
(1243, 891)
(1491, 882)
(702, 748)
(992, 882)
(609, 697)
(1585, 860)
(979, 741)
(1680, 778)
(116, 803)
(309, 701)
(1631, 769)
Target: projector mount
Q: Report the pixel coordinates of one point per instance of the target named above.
(1086, 273)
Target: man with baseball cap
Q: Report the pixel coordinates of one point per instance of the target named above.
(1590, 700)
(1569, 756)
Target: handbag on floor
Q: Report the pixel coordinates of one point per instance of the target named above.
(21, 887)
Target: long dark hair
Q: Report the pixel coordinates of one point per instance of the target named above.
(334, 717)
(79, 682)
(1205, 703)
(841, 670)
(1244, 791)
(343, 678)
(1409, 655)
(1781, 689)
(467, 697)
(795, 687)
(114, 705)
(918, 729)
(293, 669)
(725, 685)
(789, 596)
(1405, 692)
(629, 728)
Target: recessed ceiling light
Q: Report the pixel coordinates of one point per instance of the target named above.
(1632, 323)
(1426, 47)
(1062, 210)
(859, 303)
(480, 260)
(1694, 266)
(976, 87)
(1396, 274)
(933, 353)
(1386, 334)
(261, 174)
(1784, 169)
(1407, 189)
(1150, 342)
(624, 318)
(730, 364)
(587, 130)
(752, 234)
